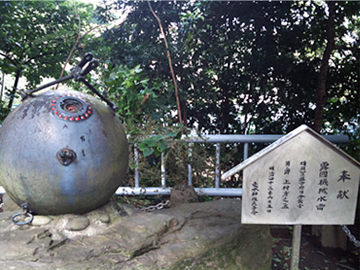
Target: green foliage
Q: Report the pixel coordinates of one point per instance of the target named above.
(152, 141)
(133, 92)
(241, 67)
(128, 88)
(156, 145)
(4, 111)
(36, 38)
(244, 66)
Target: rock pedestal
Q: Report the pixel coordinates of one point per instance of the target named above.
(205, 235)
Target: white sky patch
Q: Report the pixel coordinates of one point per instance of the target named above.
(95, 3)
(121, 15)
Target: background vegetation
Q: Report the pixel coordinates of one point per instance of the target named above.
(240, 67)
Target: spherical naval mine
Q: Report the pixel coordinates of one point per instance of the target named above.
(62, 152)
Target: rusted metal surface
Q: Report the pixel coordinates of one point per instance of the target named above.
(62, 158)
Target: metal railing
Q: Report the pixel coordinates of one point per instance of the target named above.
(217, 140)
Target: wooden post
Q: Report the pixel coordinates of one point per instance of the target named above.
(296, 243)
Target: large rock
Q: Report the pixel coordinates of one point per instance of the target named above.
(205, 235)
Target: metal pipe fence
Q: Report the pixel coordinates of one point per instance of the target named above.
(217, 140)
(214, 139)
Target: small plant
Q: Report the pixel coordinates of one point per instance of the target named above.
(287, 252)
(158, 144)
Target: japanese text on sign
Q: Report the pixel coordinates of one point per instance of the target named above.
(295, 190)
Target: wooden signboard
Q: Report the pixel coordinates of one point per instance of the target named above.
(300, 179)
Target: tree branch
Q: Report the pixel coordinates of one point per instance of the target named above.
(8, 58)
(79, 37)
(170, 63)
(147, 95)
(75, 44)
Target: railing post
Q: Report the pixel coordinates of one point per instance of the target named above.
(217, 166)
(136, 157)
(189, 165)
(246, 150)
(163, 171)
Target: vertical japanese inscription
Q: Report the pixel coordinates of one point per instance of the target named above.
(286, 186)
(270, 191)
(254, 198)
(301, 197)
(323, 186)
(343, 194)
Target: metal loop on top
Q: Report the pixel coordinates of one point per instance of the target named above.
(26, 212)
(31, 217)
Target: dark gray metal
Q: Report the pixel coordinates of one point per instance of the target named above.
(66, 156)
(85, 135)
(26, 213)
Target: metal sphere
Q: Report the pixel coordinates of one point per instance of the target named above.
(62, 152)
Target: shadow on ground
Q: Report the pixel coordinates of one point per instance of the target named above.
(312, 255)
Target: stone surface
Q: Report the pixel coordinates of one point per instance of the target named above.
(41, 220)
(78, 223)
(99, 216)
(183, 194)
(333, 236)
(189, 236)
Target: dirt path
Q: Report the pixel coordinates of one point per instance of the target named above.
(312, 255)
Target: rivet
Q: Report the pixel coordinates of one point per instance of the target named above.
(53, 109)
(82, 117)
(65, 118)
(71, 119)
(60, 115)
(56, 112)
(77, 119)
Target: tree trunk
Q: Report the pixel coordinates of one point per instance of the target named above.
(184, 112)
(321, 86)
(331, 236)
(225, 110)
(13, 91)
